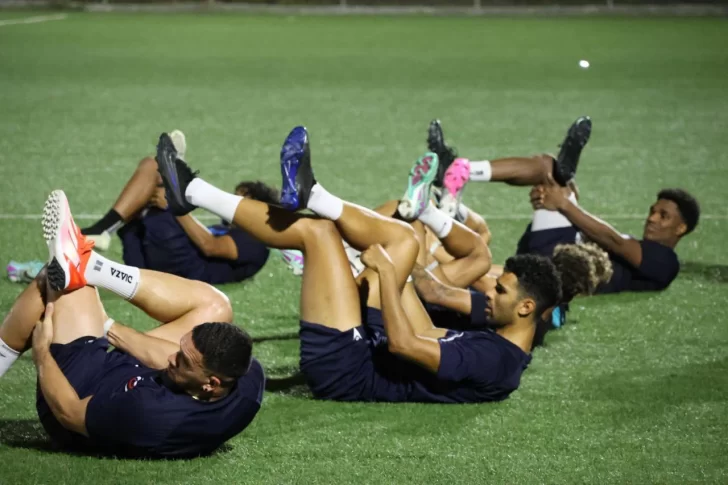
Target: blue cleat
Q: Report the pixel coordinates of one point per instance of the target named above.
(296, 171)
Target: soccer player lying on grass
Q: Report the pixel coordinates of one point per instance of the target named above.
(180, 390)
(581, 268)
(344, 356)
(153, 238)
(639, 265)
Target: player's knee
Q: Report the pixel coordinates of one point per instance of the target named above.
(481, 256)
(217, 306)
(148, 163)
(320, 229)
(406, 240)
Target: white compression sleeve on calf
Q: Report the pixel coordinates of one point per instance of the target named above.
(7, 357)
(480, 171)
(325, 204)
(544, 219)
(116, 277)
(205, 195)
(435, 219)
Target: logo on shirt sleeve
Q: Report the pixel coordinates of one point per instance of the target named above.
(132, 383)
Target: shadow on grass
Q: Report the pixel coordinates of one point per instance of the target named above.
(713, 273)
(272, 338)
(30, 434)
(294, 384)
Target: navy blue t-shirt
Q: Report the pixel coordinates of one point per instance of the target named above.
(252, 255)
(658, 269)
(446, 318)
(475, 366)
(132, 412)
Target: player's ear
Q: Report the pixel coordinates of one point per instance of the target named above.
(214, 383)
(526, 307)
(682, 228)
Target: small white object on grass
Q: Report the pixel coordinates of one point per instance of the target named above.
(583, 64)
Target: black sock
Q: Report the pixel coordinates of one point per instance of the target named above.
(110, 222)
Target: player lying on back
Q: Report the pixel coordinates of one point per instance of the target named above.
(153, 238)
(639, 265)
(345, 355)
(180, 390)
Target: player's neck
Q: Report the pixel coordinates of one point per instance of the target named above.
(520, 334)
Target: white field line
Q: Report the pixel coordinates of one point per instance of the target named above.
(33, 20)
(502, 217)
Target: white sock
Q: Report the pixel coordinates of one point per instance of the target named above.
(462, 213)
(325, 204)
(480, 171)
(544, 219)
(7, 357)
(210, 198)
(116, 277)
(435, 219)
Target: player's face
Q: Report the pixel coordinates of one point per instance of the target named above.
(664, 222)
(504, 301)
(185, 367)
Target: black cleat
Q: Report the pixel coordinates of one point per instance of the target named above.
(568, 159)
(176, 176)
(445, 154)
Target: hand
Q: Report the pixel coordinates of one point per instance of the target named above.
(158, 199)
(43, 333)
(376, 258)
(549, 196)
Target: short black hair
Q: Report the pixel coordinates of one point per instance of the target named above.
(537, 278)
(257, 190)
(687, 205)
(226, 349)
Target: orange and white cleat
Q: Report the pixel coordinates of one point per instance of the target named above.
(69, 249)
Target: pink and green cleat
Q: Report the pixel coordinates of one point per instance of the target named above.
(419, 186)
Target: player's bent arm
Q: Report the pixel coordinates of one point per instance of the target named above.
(434, 291)
(211, 246)
(602, 233)
(151, 351)
(401, 337)
(62, 399)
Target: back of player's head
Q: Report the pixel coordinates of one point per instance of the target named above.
(537, 279)
(582, 268)
(226, 350)
(257, 190)
(687, 205)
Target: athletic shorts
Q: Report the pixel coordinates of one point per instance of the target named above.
(544, 242)
(353, 365)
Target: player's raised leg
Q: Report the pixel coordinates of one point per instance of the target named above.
(177, 302)
(329, 295)
(526, 171)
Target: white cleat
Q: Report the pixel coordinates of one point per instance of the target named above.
(180, 143)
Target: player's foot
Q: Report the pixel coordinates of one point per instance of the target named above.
(293, 259)
(69, 249)
(296, 171)
(417, 196)
(176, 176)
(568, 159)
(19, 272)
(180, 143)
(101, 241)
(456, 177)
(436, 144)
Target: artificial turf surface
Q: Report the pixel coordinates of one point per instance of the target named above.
(633, 390)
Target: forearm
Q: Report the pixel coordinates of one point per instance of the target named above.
(592, 227)
(197, 232)
(396, 324)
(60, 396)
(150, 351)
(436, 292)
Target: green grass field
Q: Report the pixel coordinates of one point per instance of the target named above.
(633, 391)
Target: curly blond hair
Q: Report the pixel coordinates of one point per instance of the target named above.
(583, 267)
